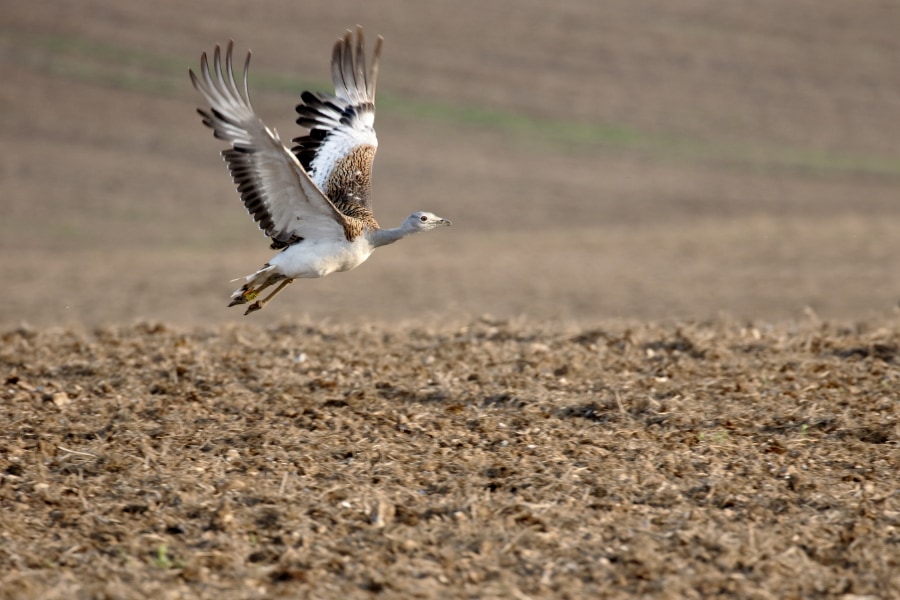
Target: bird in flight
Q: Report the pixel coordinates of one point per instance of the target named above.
(313, 200)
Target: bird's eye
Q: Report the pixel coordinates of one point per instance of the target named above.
(423, 218)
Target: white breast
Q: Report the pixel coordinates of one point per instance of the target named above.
(320, 258)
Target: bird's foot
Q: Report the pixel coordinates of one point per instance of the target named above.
(244, 297)
(263, 301)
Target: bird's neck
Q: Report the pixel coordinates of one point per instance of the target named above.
(383, 237)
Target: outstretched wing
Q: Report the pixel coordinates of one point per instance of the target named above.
(339, 150)
(275, 189)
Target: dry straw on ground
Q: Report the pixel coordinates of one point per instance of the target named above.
(498, 459)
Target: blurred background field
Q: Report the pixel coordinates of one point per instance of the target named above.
(637, 160)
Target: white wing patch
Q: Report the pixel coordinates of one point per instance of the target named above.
(339, 144)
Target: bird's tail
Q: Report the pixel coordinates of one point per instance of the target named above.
(256, 283)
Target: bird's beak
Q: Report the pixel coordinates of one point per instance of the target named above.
(446, 222)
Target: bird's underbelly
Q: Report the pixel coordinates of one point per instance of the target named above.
(318, 259)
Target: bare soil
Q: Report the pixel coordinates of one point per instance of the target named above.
(495, 459)
(655, 356)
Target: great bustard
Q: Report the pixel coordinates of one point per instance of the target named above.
(311, 200)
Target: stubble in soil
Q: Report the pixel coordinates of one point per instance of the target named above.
(488, 459)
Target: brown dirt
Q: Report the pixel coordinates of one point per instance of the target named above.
(495, 459)
(688, 387)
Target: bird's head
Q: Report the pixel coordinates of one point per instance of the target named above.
(424, 221)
